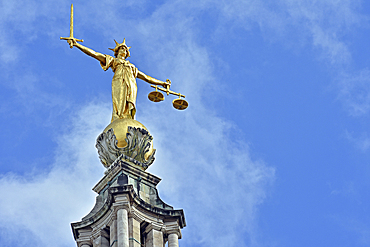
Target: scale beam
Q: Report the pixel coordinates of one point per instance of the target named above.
(166, 90)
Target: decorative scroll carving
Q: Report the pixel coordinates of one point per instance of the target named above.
(136, 151)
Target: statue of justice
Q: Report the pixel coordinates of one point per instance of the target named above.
(124, 87)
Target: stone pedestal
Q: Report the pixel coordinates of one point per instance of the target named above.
(128, 212)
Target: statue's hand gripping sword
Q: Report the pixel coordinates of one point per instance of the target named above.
(71, 31)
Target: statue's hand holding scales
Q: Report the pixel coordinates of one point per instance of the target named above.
(124, 88)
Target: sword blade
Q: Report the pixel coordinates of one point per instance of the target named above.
(71, 30)
(71, 25)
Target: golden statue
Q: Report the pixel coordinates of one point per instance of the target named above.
(125, 138)
(124, 88)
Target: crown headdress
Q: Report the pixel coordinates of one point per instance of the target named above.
(119, 45)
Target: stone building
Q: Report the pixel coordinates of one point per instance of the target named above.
(128, 211)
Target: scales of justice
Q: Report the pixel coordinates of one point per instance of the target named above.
(125, 138)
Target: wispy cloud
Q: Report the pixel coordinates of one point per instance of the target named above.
(211, 177)
(361, 141)
(359, 228)
(40, 206)
(354, 91)
(326, 22)
(207, 173)
(24, 21)
(319, 24)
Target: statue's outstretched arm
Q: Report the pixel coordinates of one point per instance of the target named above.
(152, 80)
(88, 51)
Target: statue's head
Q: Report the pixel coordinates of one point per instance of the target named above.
(121, 46)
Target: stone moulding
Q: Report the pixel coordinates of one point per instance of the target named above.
(120, 165)
(134, 199)
(138, 145)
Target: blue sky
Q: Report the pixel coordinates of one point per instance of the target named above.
(273, 150)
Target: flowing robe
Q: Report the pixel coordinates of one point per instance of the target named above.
(124, 88)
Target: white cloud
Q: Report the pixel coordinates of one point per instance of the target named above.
(354, 91)
(20, 23)
(205, 172)
(40, 206)
(327, 22)
(320, 24)
(358, 227)
(361, 141)
(210, 176)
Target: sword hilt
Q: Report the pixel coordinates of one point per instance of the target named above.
(71, 38)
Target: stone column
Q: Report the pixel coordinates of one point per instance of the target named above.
(122, 228)
(134, 232)
(154, 238)
(173, 240)
(97, 241)
(113, 234)
(104, 239)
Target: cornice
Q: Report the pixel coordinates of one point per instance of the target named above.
(133, 199)
(117, 167)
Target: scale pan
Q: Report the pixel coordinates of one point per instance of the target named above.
(155, 96)
(180, 104)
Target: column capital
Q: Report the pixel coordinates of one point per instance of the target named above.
(177, 232)
(173, 228)
(104, 233)
(112, 218)
(121, 202)
(84, 243)
(135, 215)
(155, 226)
(122, 206)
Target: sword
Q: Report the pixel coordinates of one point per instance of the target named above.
(71, 31)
